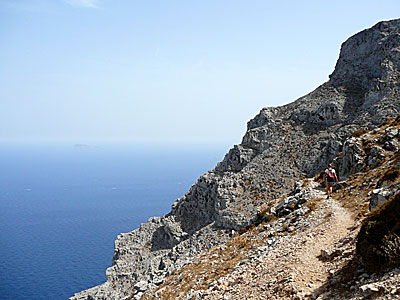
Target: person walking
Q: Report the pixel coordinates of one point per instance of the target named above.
(329, 178)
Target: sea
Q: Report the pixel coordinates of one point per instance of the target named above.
(62, 206)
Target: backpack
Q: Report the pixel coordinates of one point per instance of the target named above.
(331, 174)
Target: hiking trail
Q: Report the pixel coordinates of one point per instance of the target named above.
(294, 268)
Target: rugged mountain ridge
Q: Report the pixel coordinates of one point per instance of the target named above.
(281, 144)
(307, 246)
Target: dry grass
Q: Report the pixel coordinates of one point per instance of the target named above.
(355, 197)
(391, 122)
(359, 132)
(379, 239)
(306, 183)
(390, 176)
(313, 205)
(207, 268)
(319, 177)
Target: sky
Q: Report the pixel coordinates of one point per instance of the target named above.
(166, 71)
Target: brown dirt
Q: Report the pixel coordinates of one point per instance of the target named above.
(302, 272)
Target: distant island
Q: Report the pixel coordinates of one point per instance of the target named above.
(80, 146)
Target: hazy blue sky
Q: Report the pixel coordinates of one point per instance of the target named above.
(181, 71)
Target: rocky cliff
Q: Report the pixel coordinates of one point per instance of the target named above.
(306, 245)
(281, 145)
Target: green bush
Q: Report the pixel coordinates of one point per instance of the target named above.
(378, 243)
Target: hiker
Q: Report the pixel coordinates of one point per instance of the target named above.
(329, 178)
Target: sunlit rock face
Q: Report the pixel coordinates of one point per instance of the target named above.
(281, 144)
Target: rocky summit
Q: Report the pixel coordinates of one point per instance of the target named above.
(259, 225)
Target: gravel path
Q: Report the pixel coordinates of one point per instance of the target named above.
(294, 268)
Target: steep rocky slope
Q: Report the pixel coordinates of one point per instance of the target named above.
(305, 246)
(281, 145)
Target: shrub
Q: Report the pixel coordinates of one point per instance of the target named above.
(378, 242)
(319, 177)
(247, 228)
(390, 176)
(312, 205)
(384, 123)
(359, 132)
(396, 121)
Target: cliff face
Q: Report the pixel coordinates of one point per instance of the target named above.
(306, 245)
(281, 144)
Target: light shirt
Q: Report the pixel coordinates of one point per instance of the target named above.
(330, 169)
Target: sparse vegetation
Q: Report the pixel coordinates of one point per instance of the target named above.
(319, 178)
(355, 196)
(207, 268)
(359, 132)
(306, 182)
(247, 228)
(264, 216)
(378, 242)
(312, 205)
(385, 123)
(390, 176)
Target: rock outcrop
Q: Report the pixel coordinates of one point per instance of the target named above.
(306, 245)
(281, 144)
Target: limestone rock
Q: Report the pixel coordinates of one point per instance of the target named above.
(369, 289)
(380, 195)
(281, 144)
(352, 158)
(292, 202)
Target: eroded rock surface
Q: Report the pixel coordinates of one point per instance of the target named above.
(281, 144)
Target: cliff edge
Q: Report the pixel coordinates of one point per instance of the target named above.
(308, 246)
(281, 145)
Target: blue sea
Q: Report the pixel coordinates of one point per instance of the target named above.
(61, 208)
